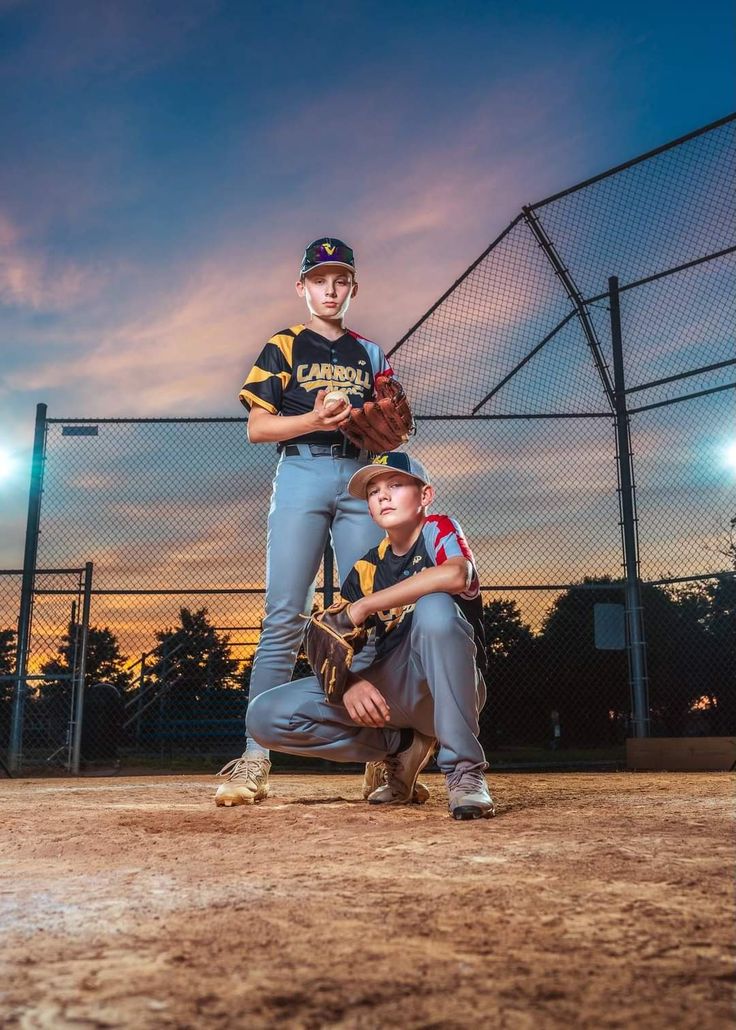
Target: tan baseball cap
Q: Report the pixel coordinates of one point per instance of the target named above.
(399, 461)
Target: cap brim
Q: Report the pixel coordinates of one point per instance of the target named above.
(330, 264)
(358, 484)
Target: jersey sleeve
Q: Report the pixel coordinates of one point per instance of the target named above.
(359, 583)
(266, 381)
(350, 589)
(445, 539)
(379, 362)
(383, 366)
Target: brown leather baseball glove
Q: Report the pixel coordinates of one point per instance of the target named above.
(331, 641)
(384, 423)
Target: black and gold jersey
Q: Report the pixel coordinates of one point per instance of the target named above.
(441, 538)
(297, 362)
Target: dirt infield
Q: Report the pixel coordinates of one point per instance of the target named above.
(592, 900)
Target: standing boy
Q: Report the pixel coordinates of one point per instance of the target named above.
(419, 590)
(285, 393)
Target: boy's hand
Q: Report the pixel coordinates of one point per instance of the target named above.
(329, 422)
(366, 705)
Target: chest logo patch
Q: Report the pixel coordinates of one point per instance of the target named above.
(322, 375)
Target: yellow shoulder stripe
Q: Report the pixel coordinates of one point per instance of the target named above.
(260, 375)
(285, 344)
(383, 547)
(248, 399)
(367, 573)
(257, 375)
(296, 329)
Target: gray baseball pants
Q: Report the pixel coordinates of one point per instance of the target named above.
(429, 681)
(309, 504)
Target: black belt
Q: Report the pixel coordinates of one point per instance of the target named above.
(346, 449)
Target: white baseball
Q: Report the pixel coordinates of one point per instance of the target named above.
(335, 399)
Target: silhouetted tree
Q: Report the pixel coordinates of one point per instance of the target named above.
(514, 712)
(589, 687)
(729, 550)
(713, 604)
(7, 667)
(193, 657)
(7, 662)
(104, 662)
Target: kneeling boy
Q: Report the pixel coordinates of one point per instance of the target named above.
(419, 590)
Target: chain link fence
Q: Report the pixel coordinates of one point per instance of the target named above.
(596, 496)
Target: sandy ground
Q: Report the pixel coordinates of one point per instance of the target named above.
(592, 900)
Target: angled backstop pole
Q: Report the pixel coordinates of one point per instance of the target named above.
(27, 586)
(634, 619)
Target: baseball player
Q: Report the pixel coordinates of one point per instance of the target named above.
(419, 590)
(321, 445)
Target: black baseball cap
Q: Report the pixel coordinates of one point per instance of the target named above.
(327, 251)
(400, 461)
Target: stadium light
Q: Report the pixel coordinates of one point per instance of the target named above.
(730, 455)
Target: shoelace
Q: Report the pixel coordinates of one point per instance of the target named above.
(240, 767)
(378, 771)
(468, 779)
(391, 764)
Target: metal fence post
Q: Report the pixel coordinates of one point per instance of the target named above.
(28, 583)
(139, 702)
(81, 670)
(328, 574)
(627, 495)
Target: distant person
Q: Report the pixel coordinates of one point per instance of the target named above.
(419, 591)
(286, 393)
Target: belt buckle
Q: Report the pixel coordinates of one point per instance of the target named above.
(336, 450)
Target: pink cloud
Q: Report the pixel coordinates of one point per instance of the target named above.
(30, 277)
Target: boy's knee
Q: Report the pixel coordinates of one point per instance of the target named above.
(436, 614)
(259, 720)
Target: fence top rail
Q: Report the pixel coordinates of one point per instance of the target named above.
(522, 417)
(726, 574)
(134, 421)
(637, 160)
(42, 572)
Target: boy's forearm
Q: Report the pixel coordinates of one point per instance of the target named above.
(448, 578)
(268, 428)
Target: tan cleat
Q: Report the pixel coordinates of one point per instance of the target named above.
(402, 771)
(375, 776)
(247, 781)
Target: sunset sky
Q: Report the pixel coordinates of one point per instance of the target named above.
(165, 163)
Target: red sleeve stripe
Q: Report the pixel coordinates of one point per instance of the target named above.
(447, 527)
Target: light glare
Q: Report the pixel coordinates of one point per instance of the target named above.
(7, 464)
(730, 455)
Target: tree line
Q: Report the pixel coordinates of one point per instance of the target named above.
(194, 687)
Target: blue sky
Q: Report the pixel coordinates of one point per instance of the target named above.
(165, 163)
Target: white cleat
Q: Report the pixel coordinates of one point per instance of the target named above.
(469, 797)
(247, 781)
